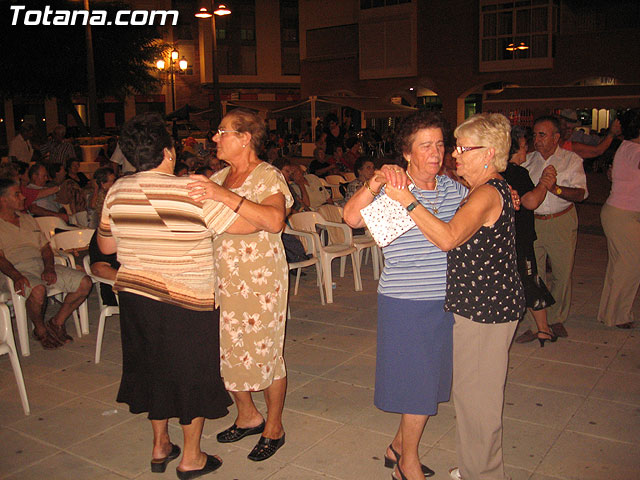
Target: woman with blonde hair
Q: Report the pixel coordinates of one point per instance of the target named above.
(252, 279)
(484, 291)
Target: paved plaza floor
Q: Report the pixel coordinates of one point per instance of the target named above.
(572, 408)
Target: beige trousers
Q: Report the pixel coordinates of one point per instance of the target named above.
(622, 228)
(557, 238)
(480, 360)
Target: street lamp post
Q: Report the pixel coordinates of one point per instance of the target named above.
(203, 13)
(182, 64)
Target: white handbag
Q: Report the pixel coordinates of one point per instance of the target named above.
(386, 219)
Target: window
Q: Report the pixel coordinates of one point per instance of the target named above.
(289, 39)
(517, 34)
(236, 37)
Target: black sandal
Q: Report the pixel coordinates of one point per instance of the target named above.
(235, 433)
(47, 341)
(59, 332)
(390, 463)
(265, 448)
(160, 465)
(212, 464)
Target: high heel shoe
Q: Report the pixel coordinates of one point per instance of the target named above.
(552, 337)
(391, 463)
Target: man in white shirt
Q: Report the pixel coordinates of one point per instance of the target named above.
(20, 148)
(556, 218)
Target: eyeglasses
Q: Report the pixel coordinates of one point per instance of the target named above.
(461, 150)
(222, 132)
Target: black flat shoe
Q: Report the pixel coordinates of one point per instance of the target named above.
(160, 465)
(391, 463)
(211, 465)
(235, 433)
(265, 448)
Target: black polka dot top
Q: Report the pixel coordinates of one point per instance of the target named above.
(482, 277)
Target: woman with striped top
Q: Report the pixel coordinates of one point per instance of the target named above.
(414, 355)
(169, 328)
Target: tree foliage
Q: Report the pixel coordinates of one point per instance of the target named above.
(50, 61)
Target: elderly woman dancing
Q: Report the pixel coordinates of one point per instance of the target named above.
(252, 280)
(414, 354)
(484, 291)
(169, 328)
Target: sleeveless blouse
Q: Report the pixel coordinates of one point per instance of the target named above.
(482, 277)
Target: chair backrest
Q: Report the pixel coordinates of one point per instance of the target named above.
(305, 221)
(349, 176)
(306, 238)
(49, 224)
(5, 324)
(333, 213)
(334, 179)
(86, 263)
(78, 238)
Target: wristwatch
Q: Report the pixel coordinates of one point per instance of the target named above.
(558, 191)
(411, 206)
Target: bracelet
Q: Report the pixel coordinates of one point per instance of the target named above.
(366, 184)
(235, 210)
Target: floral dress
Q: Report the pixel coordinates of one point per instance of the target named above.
(251, 289)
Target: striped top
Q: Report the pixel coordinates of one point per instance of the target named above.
(164, 239)
(414, 268)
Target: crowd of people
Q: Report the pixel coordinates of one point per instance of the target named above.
(193, 244)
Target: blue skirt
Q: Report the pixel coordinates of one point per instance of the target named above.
(414, 360)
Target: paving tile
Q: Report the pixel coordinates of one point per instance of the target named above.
(20, 451)
(125, 450)
(314, 360)
(343, 338)
(541, 406)
(41, 397)
(299, 330)
(291, 472)
(108, 395)
(71, 422)
(627, 360)
(86, 376)
(351, 456)
(359, 370)
(330, 400)
(580, 457)
(63, 466)
(619, 387)
(568, 351)
(604, 419)
(563, 377)
(42, 363)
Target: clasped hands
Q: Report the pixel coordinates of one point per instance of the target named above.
(548, 178)
(202, 189)
(397, 182)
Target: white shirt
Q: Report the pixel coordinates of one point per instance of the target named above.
(21, 149)
(119, 158)
(570, 174)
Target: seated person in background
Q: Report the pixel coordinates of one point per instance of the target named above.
(122, 165)
(58, 149)
(364, 169)
(74, 173)
(26, 257)
(206, 171)
(354, 150)
(318, 193)
(320, 166)
(20, 172)
(20, 148)
(45, 206)
(71, 196)
(338, 158)
(103, 179)
(105, 266)
(297, 185)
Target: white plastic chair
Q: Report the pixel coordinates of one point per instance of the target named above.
(105, 310)
(311, 249)
(360, 242)
(8, 346)
(48, 225)
(306, 222)
(335, 188)
(334, 179)
(349, 176)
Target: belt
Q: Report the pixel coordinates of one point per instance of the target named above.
(553, 215)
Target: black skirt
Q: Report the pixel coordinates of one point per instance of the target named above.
(536, 293)
(170, 361)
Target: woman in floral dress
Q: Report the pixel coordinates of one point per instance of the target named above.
(252, 280)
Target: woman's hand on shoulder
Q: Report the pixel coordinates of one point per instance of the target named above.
(202, 189)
